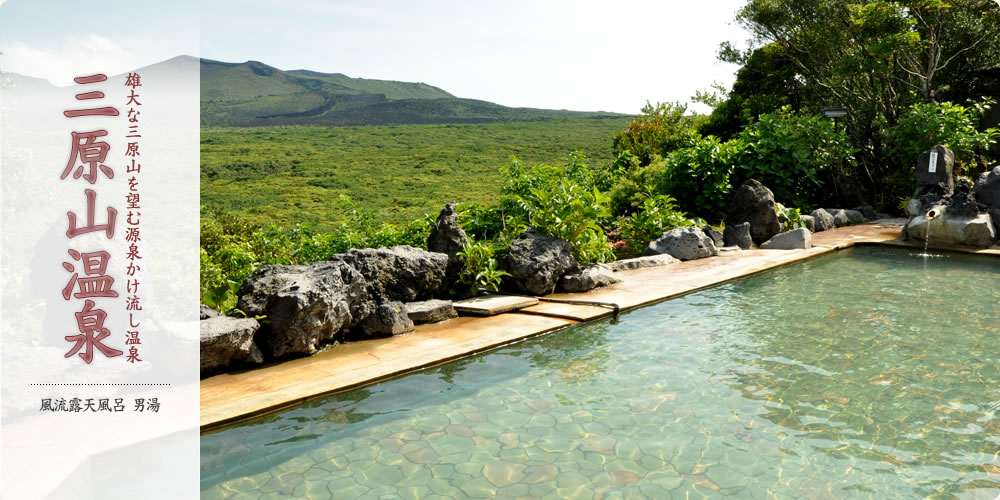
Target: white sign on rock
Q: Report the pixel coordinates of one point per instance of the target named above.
(932, 164)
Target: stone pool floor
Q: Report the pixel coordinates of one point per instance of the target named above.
(230, 397)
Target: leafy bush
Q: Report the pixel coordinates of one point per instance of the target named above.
(700, 175)
(924, 125)
(656, 215)
(231, 248)
(480, 268)
(659, 130)
(791, 218)
(562, 202)
(790, 152)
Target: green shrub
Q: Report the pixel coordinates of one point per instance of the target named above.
(480, 269)
(790, 153)
(659, 130)
(701, 174)
(656, 215)
(924, 125)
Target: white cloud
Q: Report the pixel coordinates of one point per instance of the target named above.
(73, 56)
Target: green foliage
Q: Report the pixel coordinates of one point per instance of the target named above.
(789, 153)
(878, 57)
(764, 83)
(562, 202)
(655, 215)
(657, 131)
(480, 267)
(924, 125)
(700, 175)
(791, 218)
(295, 175)
(232, 248)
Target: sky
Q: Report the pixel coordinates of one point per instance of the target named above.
(580, 55)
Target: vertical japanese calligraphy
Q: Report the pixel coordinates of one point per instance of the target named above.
(88, 152)
(133, 204)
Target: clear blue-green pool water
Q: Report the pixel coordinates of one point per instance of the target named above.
(869, 373)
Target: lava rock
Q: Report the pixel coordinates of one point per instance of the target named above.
(738, 235)
(823, 220)
(535, 262)
(386, 319)
(228, 343)
(642, 262)
(715, 235)
(867, 211)
(963, 204)
(306, 305)
(795, 239)
(685, 243)
(942, 168)
(754, 203)
(449, 238)
(430, 311)
(401, 273)
(207, 312)
(808, 222)
(587, 279)
(987, 188)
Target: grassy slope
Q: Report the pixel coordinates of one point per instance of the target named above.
(295, 174)
(255, 94)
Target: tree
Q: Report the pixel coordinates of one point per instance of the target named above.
(877, 57)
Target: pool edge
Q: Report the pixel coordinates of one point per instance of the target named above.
(238, 396)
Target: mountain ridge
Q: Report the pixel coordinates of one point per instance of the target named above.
(253, 93)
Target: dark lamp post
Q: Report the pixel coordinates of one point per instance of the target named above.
(835, 112)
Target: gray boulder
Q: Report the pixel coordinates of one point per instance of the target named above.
(587, 279)
(948, 229)
(401, 273)
(843, 217)
(228, 343)
(685, 243)
(754, 203)
(808, 222)
(207, 312)
(642, 262)
(386, 319)
(306, 305)
(987, 188)
(738, 236)
(535, 262)
(430, 311)
(715, 235)
(867, 211)
(795, 239)
(822, 220)
(995, 218)
(449, 238)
